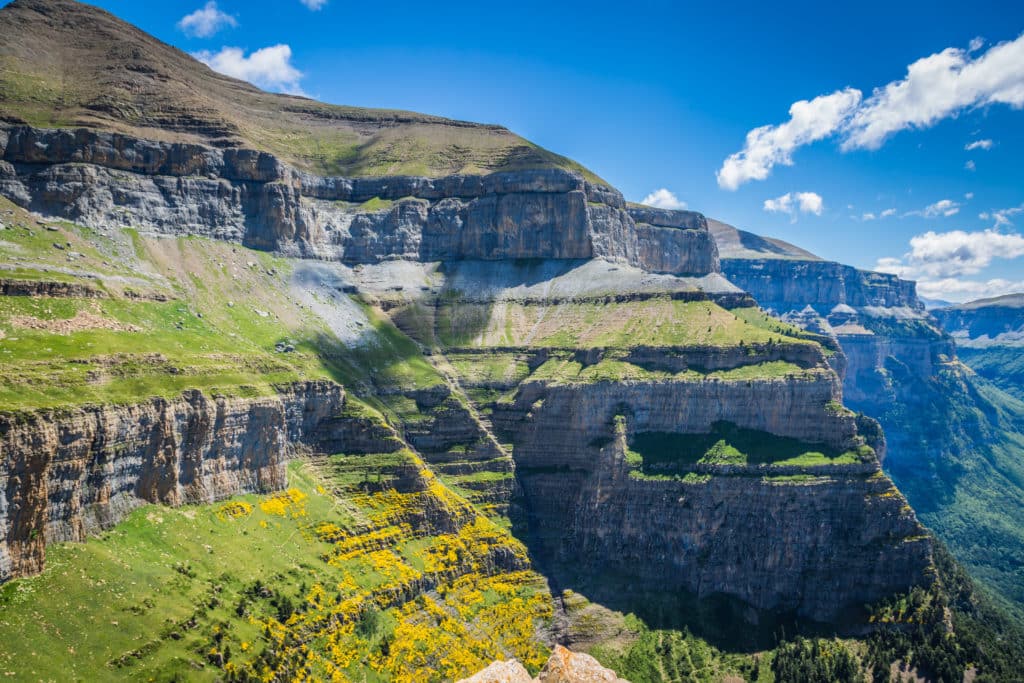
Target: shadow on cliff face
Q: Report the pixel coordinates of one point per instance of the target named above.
(723, 621)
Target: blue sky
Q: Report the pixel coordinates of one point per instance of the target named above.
(654, 95)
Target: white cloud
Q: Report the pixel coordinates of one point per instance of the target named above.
(955, 289)
(269, 67)
(935, 87)
(976, 44)
(939, 86)
(1001, 217)
(793, 202)
(985, 144)
(970, 165)
(770, 145)
(969, 196)
(206, 21)
(942, 255)
(314, 4)
(663, 199)
(868, 217)
(943, 207)
(888, 212)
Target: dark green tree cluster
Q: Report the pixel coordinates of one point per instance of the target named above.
(815, 661)
(983, 637)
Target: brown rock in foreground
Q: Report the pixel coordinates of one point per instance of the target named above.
(510, 671)
(564, 666)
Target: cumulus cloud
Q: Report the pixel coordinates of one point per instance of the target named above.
(796, 202)
(955, 289)
(939, 86)
(206, 21)
(985, 144)
(770, 145)
(970, 165)
(937, 256)
(663, 199)
(934, 88)
(888, 212)
(868, 216)
(314, 4)
(269, 67)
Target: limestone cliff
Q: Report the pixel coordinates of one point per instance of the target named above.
(106, 179)
(811, 540)
(67, 474)
(952, 438)
(987, 322)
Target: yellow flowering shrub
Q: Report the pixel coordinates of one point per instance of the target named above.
(290, 503)
(234, 510)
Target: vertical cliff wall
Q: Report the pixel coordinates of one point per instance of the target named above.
(954, 442)
(70, 473)
(102, 180)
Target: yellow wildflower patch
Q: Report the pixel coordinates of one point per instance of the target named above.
(290, 503)
(234, 510)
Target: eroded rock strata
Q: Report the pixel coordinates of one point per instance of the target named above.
(104, 179)
(68, 474)
(525, 257)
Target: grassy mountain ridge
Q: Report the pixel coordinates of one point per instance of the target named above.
(67, 64)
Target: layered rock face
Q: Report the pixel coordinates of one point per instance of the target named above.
(781, 283)
(568, 384)
(812, 540)
(876, 318)
(952, 438)
(102, 179)
(988, 322)
(68, 474)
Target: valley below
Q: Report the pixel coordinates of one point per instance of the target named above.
(412, 415)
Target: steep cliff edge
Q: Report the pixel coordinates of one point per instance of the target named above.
(106, 179)
(954, 441)
(604, 395)
(560, 424)
(69, 474)
(990, 335)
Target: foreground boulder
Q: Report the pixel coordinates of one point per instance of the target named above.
(564, 666)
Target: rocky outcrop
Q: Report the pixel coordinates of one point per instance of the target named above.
(808, 540)
(549, 422)
(988, 322)
(68, 474)
(104, 179)
(564, 666)
(9, 287)
(789, 284)
(667, 238)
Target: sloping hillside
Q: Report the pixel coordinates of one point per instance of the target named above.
(65, 64)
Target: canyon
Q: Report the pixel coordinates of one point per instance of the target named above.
(401, 412)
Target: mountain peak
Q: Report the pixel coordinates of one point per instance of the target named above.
(65, 64)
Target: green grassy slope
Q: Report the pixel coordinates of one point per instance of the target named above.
(971, 491)
(194, 314)
(66, 64)
(321, 580)
(1003, 366)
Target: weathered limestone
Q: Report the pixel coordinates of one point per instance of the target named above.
(65, 475)
(103, 179)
